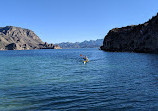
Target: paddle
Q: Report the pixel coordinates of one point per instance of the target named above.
(81, 55)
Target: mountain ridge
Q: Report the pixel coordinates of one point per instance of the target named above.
(85, 44)
(17, 38)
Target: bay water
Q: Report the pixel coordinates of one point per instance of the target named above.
(57, 80)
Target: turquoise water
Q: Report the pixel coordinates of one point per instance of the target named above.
(58, 80)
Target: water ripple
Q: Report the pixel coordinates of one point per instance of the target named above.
(59, 81)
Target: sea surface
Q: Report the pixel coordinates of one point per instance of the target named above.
(57, 80)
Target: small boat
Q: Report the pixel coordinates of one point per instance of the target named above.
(85, 62)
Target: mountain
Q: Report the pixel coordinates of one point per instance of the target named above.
(85, 44)
(136, 38)
(16, 38)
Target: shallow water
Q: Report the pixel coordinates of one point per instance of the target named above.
(58, 80)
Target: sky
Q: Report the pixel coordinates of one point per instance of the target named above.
(56, 21)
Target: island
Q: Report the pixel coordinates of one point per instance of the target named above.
(16, 38)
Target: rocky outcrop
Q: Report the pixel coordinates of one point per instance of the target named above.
(49, 46)
(12, 46)
(16, 38)
(56, 47)
(137, 38)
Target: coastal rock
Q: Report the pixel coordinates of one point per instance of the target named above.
(56, 47)
(49, 46)
(136, 38)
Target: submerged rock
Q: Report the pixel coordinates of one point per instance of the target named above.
(136, 38)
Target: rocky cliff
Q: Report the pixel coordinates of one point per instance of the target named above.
(136, 38)
(16, 38)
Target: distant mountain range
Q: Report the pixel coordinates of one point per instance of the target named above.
(85, 44)
(16, 38)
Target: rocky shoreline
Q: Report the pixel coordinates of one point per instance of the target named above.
(136, 38)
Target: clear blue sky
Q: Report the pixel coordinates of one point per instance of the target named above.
(57, 21)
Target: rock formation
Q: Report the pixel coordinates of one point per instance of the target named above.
(136, 38)
(56, 47)
(16, 38)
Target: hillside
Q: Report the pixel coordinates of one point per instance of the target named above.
(136, 38)
(16, 38)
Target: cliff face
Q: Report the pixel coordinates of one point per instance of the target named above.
(16, 38)
(138, 38)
